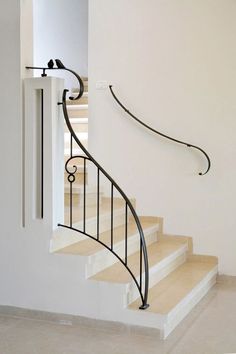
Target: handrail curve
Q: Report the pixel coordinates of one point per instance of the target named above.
(162, 134)
(142, 288)
(136, 218)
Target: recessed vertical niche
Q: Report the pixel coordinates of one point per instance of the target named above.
(38, 156)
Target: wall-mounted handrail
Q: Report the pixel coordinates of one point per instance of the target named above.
(143, 282)
(162, 134)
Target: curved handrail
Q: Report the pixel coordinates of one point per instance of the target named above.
(71, 178)
(144, 296)
(162, 134)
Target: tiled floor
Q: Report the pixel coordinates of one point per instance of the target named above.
(209, 329)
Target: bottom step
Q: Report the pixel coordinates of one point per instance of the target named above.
(174, 297)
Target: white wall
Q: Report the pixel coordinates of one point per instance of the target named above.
(173, 64)
(30, 276)
(61, 31)
(187, 80)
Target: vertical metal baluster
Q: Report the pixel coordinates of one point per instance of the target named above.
(112, 207)
(126, 232)
(71, 194)
(71, 145)
(98, 199)
(141, 265)
(42, 151)
(84, 195)
(71, 204)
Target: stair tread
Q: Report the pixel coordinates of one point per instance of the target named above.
(89, 246)
(157, 252)
(74, 94)
(72, 117)
(79, 120)
(79, 107)
(170, 291)
(91, 211)
(79, 188)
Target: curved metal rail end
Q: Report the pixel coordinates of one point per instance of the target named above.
(162, 134)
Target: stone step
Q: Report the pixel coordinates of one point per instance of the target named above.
(78, 195)
(66, 237)
(174, 296)
(164, 255)
(78, 111)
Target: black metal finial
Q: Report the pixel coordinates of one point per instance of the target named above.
(50, 64)
(60, 65)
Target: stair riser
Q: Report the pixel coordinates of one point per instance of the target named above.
(78, 199)
(164, 323)
(79, 162)
(104, 258)
(80, 113)
(79, 178)
(105, 223)
(157, 273)
(184, 308)
(63, 237)
(82, 100)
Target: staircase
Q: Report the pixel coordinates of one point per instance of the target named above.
(178, 278)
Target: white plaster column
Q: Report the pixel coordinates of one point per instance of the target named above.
(44, 152)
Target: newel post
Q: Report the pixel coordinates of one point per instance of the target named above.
(43, 152)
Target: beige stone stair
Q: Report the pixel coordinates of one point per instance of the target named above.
(178, 279)
(79, 175)
(157, 252)
(78, 194)
(91, 215)
(174, 296)
(83, 100)
(77, 111)
(170, 291)
(89, 247)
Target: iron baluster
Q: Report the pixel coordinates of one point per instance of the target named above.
(98, 201)
(42, 153)
(71, 208)
(84, 203)
(71, 145)
(126, 233)
(141, 266)
(112, 210)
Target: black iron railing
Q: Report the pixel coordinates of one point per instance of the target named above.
(80, 224)
(162, 134)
